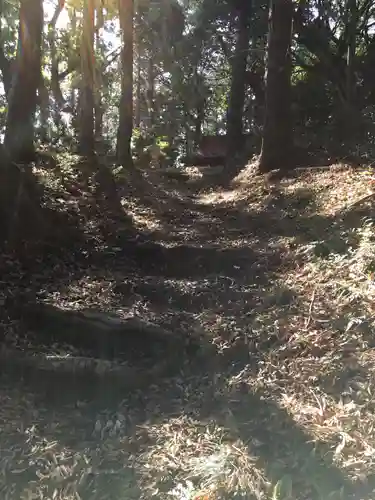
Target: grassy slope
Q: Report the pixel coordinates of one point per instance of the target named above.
(286, 409)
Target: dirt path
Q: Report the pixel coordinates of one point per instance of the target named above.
(219, 426)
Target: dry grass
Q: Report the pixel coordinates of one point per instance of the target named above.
(285, 411)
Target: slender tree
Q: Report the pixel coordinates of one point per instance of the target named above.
(57, 94)
(100, 68)
(238, 82)
(151, 89)
(26, 77)
(277, 144)
(350, 115)
(87, 100)
(125, 127)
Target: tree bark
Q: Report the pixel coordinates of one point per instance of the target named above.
(277, 144)
(151, 90)
(352, 28)
(138, 92)
(99, 114)
(43, 98)
(199, 119)
(22, 95)
(125, 128)
(255, 80)
(199, 102)
(87, 101)
(350, 120)
(99, 109)
(238, 84)
(59, 101)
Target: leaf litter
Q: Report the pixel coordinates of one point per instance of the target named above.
(284, 408)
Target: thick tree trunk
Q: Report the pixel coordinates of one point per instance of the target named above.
(22, 96)
(277, 145)
(238, 84)
(125, 128)
(86, 121)
(87, 101)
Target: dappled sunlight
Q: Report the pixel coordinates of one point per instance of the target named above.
(343, 424)
(271, 297)
(146, 221)
(185, 451)
(222, 197)
(187, 207)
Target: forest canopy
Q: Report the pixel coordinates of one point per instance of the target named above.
(119, 77)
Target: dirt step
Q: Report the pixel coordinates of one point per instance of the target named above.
(103, 335)
(78, 377)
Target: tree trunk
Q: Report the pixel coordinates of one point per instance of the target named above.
(58, 97)
(199, 119)
(99, 109)
(138, 92)
(238, 84)
(139, 48)
(350, 118)
(87, 101)
(151, 91)
(255, 81)
(22, 96)
(125, 128)
(99, 114)
(277, 144)
(352, 28)
(44, 108)
(189, 143)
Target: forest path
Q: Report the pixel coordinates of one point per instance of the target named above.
(256, 410)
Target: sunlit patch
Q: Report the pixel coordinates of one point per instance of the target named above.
(198, 460)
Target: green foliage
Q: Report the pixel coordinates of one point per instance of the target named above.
(162, 142)
(9, 27)
(183, 56)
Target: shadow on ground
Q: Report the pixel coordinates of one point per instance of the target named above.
(90, 452)
(207, 284)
